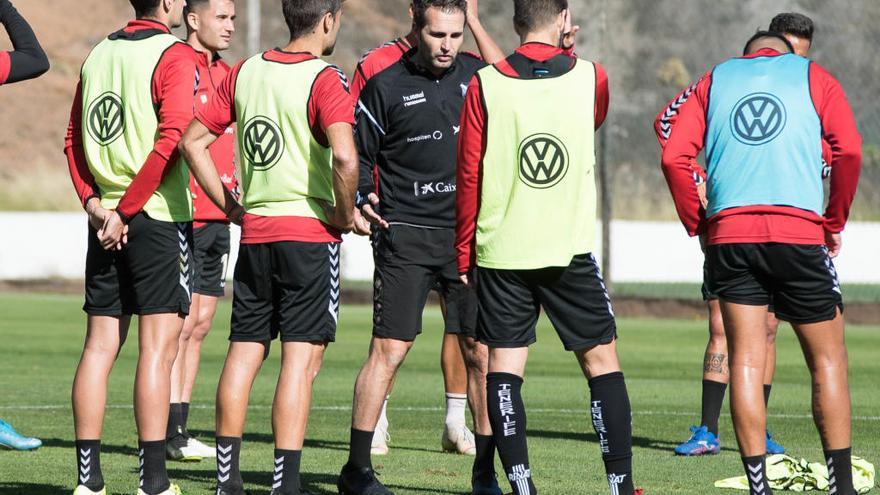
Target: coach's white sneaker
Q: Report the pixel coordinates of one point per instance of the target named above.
(198, 448)
(379, 446)
(458, 438)
(84, 490)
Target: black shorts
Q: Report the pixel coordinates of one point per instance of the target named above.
(211, 258)
(151, 275)
(289, 289)
(410, 262)
(574, 298)
(800, 280)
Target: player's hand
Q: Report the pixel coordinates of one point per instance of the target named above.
(569, 33)
(834, 242)
(235, 214)
(113, 234)
(369, 212)
(342, 221)
(361, 224)
(464, 279)
(701, 191)
(97, 214)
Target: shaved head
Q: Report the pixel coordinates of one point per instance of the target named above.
(768, 39)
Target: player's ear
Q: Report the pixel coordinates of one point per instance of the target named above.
(327, 23)
(192, 21)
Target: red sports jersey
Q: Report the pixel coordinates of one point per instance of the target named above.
(172, 88)
(377, 60)
(472, 144)
(4, 67)
(330, 103)
(761, 224)
(211, 74)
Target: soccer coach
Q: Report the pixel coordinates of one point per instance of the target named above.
(526, 214)
(761, 119)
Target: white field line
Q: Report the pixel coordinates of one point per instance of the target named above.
(59, 407)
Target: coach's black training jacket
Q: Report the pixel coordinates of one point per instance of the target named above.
(407, 127)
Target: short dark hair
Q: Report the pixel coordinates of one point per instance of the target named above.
(420, 9)
(529, 15)
(192, 5)
(793, 23)
(143, 8)
(767, 34)
(302, 16)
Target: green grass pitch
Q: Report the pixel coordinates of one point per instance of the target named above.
(42, 338)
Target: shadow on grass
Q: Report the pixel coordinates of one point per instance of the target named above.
(105, 447)
(261, 479)
(310, 443)
(641, 442)
(16, 488)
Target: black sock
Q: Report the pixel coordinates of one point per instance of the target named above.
(175, 421)
(154, 478)
(767, 389)
(484, 462)
(88, 464)
(713, 398)
(359, 449)
(840, 480)
(286, 476)
(508, 417)
(756, 475)
(184, 416)
(228, 454)
(612, 420)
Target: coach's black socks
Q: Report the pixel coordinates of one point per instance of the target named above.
(840, 480)
(767, 389)
(359, 449)
(756, 475)
(285, 478)
(612, 420)
(508, 417)
(88, 464)
(154, 478)
(184, 416)
(228, 472)
(484, 462)
(713, 398)
(175, 421)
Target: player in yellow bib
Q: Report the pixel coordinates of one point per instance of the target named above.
(295, 121)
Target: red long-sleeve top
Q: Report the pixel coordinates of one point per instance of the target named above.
(377, 60)
(764, 223)
(172, 93)
(212, 72)
(472, 146)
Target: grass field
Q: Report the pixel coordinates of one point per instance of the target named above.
(42, 338)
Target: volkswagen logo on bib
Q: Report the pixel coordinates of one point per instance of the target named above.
(543, 161)
(106, 118)
(758, 119)
(262, 145)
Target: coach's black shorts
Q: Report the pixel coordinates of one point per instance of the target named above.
(410, 262)
(574, 298)
(800, 280)
(289, 289)
(151, 275)
(211, 258)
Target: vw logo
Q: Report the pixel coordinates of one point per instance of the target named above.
(543, 161)
(758, 119)
(106, 118)
(262, 144)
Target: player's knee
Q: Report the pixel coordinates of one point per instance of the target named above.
(201, 330)
(716, 330)
(389, 353)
